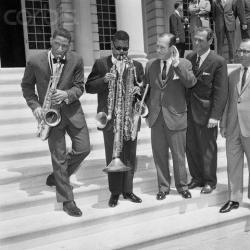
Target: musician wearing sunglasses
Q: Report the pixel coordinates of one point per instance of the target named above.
(58, 76)
(235, 126)
(117, 80)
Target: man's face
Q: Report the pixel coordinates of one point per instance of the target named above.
(243, 53)
(180, 8)
(120, 49)
(59, 46)
(162, 48)
(201, 44)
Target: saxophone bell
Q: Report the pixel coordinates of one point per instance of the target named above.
(52, 117)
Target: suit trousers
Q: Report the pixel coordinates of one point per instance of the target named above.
(231, 44)
(162, 138)
(120, 182)
(236, 146)
(202, 152)
(66, 163)
(181, 49)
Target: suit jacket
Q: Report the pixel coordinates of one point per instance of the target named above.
(208, 97)
(176, 26)
(37, 76)
(238, 104)
(95, 83)
(170, 98)
(227, 15)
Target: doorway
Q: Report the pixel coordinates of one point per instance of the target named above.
(12, 49)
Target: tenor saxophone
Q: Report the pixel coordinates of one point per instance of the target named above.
(51, 115)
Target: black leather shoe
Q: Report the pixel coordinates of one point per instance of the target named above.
(194, 184)
(185, 194)
(207, 189)
(132, 197)
(229, 206)
(71, 209)
(51, 180)
(113, 200)
(161, 195)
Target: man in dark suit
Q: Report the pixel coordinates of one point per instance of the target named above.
(176, 27)
(224, 15)
(245, 33)
(206, 103)
(69, 89)
(168, 76)
(104, 71)
(235, 127)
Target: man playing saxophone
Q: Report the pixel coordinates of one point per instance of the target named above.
(114, 78)
(58, 78)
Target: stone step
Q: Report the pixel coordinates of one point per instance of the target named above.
(184, 216)
(145, 231)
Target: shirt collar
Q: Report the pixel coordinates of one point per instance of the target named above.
(204, 56)
(177, 12)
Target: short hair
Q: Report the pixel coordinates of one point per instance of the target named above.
(62, 32)
(177, 4)
(120, 35)
(172, 38)
(209, 31)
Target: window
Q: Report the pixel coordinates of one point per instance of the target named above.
(106, 22)
(38, 23)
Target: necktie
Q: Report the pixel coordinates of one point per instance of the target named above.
(164, 71)
(61, 60)
(243, 79)
(197, 65)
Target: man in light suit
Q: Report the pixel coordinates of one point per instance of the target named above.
(176, 27)
(224, 15)
(168, 76)
(69, 89)
(207, 100)
(235, 127)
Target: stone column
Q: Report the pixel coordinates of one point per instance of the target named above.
(129, 19)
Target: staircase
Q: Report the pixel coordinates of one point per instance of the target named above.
(30, 218)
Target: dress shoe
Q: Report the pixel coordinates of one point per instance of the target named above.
(132, 197)
(194, 184)
(71, 209)
(229, 206)
(185, 194)
(207, 189)
(161, 195)
(51, 180)
(113, 200)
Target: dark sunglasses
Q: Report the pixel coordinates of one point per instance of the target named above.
(121, 48)
(242, 52)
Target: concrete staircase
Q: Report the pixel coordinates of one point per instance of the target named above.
(31, 219)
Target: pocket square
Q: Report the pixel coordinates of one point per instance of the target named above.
(176, 77)
(205, 74)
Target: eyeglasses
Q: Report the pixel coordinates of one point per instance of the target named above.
(121, 48)
(242, 52)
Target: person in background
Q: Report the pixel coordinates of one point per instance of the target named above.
(225, 13)
(246, 32)
(176, 27)
(206, 102)
(235, 127)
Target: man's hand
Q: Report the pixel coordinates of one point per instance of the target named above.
(136, 90)
(177, 39)
(212, 123)
(244, 26)
(223, 132)
(109, 77)
(38, 113)
(59, 96)
(175, 56)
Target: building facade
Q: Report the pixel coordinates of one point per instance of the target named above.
(26, 26)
